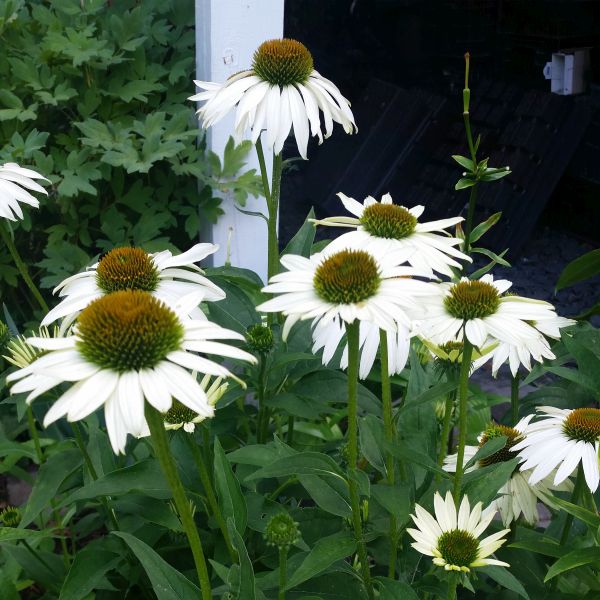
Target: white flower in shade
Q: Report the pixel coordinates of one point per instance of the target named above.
(328, 337)
(127, 347)
(560, 440)
(383, 227)
(347, 285)
(453, 539)
(167, 277)
(479, 310)
(517, 496)
(179, 415)
(536, 348)
(280, 92)
(14, 183)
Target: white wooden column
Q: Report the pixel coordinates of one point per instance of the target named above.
(227, 34)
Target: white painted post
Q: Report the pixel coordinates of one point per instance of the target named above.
(227, 34)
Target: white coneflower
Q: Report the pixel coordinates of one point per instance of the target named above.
(329, 335)
(347, 285)
(14, 183)
(453, 539)
(560, 440)
(517, 496)
(165, 276)
(384, 227)
(127, 347)
(479, 310)
(179, 415)
(536, 348)
(281, 91)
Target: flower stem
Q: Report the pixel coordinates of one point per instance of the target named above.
(263, 170)
(282, 572)
(574, 499)
(470, 215)
(445, 429)
(33, 432)
(514, 398)
(452, 585)
(463, 394)
(290, 430)
(22, 267)
(273, 264)
(210, 494)
(163, 453)
(262, 422)
(352, 330)
(388, 431)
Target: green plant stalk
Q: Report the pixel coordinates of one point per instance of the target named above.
(514, 399)
(273, 212)
(104, 500)
(577, 489)
(352, 330)
(33, 432)
(21, 266)
(262, 423)
(467, 122)
(210, 494)
(290, 430)
(282, 572)
(445, 434)
(388, 431)
(463, 394)
(163, 453)
(452, 585)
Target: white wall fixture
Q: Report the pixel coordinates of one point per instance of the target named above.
(227, 34)
(567, 71)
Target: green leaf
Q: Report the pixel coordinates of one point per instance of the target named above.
(87, 571)
(371, 433)
(583, 267)
(495, 257)
(584, 515)
(494, 174)
(235, 157)
(11, 534)
(231, 499)
(482, 485)
(463, 183)
(574, 559)
(167, 582)
(395, 590)
(49, 478)
(400, 450)
(463, 161)
(485, 226)
(437, 392)
(303, 463)
(547, 547)
(247, 589)
(145, 477)
(325, 552)
(393, 498)
(302, 242)
(506, 579)
(329, 493)
(490, 447)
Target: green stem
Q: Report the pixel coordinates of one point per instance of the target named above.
(104, 500)
(452, 585)
(273, 246)
(445, 430)
(210, 494)
(470, 216)
(290, 430)
(33, 432)
(163, 453)
(574, 499)
(263, 170)
(352, 330)
(21, 266)
(388, 431)
(514, 398)
(282, 572)
(463, 394)
(262, 423)
(274, 495)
